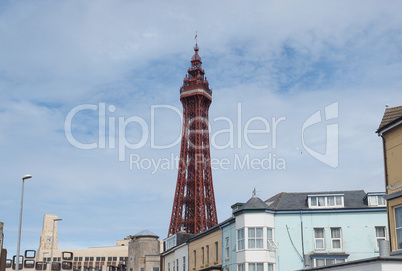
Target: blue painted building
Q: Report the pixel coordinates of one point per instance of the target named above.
(317, 229)
(292, 231)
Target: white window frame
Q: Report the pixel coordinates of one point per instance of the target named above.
(257, 239)
(337, 260)
(241, 267)
(336, 238)
(374, 201)
(319, 238)
(398, 242)
(256, 266)
(227, 247)
(314, 201)
(241, 242)
(378, 238)
(270, 241)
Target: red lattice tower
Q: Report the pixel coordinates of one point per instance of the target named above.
(194, 209)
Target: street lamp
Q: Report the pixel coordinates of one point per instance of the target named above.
(25, 177)
(51, 250)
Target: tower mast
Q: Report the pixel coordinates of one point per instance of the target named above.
(194, 209)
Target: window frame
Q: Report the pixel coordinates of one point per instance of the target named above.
(241, 241)
(398, 242)
(255, 238)
(319, 238)
(378, 238)
(336, 238)
(227, 247)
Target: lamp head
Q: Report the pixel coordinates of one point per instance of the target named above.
(27, 176)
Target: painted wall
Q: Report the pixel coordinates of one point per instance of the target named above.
(393, 169)
(357, 231)
(229, 261)
(200, 244)
(264, 255)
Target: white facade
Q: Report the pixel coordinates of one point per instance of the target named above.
(253, 251)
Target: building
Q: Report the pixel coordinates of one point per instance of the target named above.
(144, 252)
(194, 209)
(175, 255)
(255, 245)
(205, 251)
(325, 228)
(140, 252)
(390, 130)
(3, 252)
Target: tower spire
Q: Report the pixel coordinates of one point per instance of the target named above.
(194, 209)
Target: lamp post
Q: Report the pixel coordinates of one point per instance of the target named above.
(51, 250)
(17, 264)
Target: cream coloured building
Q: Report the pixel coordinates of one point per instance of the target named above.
(106, 258)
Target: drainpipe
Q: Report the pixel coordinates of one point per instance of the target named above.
(302, 239)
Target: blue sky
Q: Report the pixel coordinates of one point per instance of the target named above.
(270, 59)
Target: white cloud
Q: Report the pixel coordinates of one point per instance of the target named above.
(278, 59)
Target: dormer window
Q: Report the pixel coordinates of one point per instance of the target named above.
(170, 242)
(376, 200)
(325, 201)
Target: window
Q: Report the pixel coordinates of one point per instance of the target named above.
(376, 200)
(241, 267)
(336, 240)
(114, 259)
(319, 240)
(86, 259)
(174, 265)
(317, 262)
(227, 245)
(155, 269)
(398, 226)
(255, 267)
(168, 266)
(195, 258)
(270, 239)
(216, 252)
(109, 259)
(184, 263)
(240, 239)
(379, 235)
(103, 259)
(207, 254)
(97, 259)
(170, 242)
(270, 267)
(177, 264)
(255, 238)
(202, 255)
(323, 201)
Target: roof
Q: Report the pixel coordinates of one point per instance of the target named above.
(254, 203)
(391, 116)
(298, 201)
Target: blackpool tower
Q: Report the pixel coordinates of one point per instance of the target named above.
(194, 209)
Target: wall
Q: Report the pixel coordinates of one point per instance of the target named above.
(358, 235)
(229, 261)
(209, 239)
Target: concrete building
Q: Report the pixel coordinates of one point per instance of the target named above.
(3, 252)
(144, 252)
(142, 249)
(325, 228)
(390, 130)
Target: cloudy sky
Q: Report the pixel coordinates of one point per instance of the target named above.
(90, 106)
